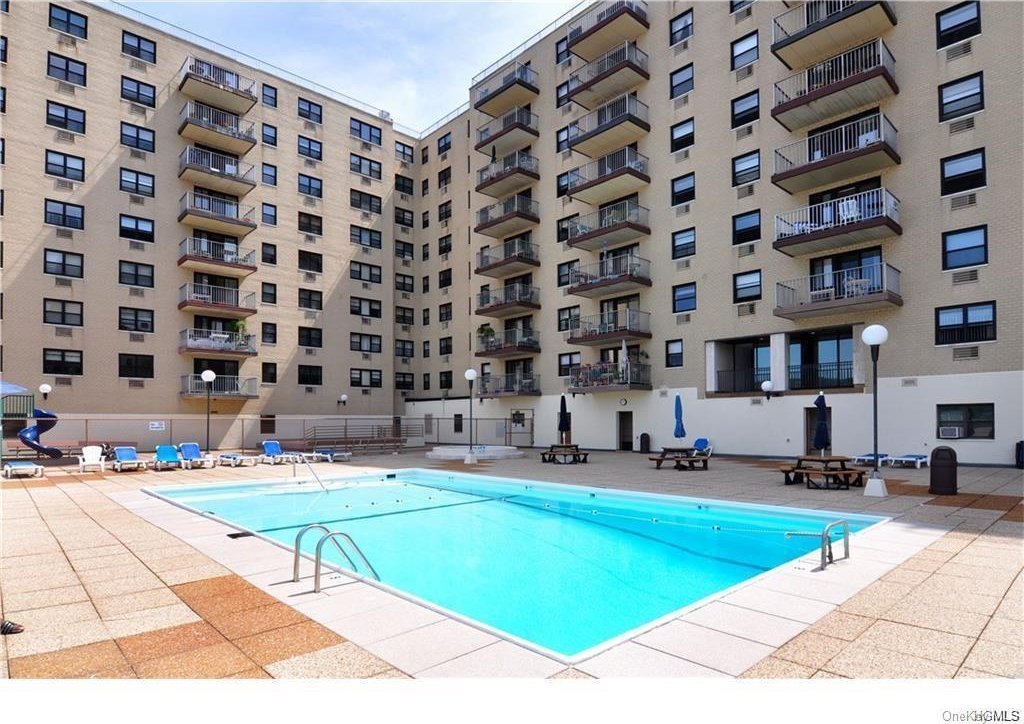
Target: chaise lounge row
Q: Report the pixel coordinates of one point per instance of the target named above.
(188, 455)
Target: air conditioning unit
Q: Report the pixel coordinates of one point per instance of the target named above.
(137, 110)
(365, 181)
(682, 154)
(405, 327)
(133, 199)
(138, 65)
(136, 384)
(968, 276)
(309, 125)
(366, 146)
(366, 355)
(743, 14)
(959, 51)
(311, 163)
(405, 360)
(365, 215)
(446, 358)
(310, 390)
(309, 276)
(962, 125)
(366, 285)
(309, 201)
(444, 156)
(682, 101)
(682, 264)
(366, 249)
(65, 88)
(136, 292)
(405, 393)
(404, 164)
(61, 282)
(745, 250)
(65, 234)
(311, 238)
(404, 229)
(139, 155)
(63, 185)
(405, 295)
(136, 337)
(64, 136)
(406, 262)
(682, 209)
(444, 257)
(964, 354)
(444, 325)
(949, 433)
(744, 191)
(136, 246)
(404, 197)
(745, 310)
(62, 381)
(367, 320)
(742, 133)
(963, 201)
(744, 72)
(681, 46)
(682, 319)
(444, 223)
(310, 352)
(69, 41)
(62, 331)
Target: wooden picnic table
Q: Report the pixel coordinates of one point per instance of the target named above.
(832, 468)
(563, 455)
(672, 454)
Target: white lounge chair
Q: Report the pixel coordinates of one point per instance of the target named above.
(236, 459)
(915, 459)
(92, 457)
(22, 467)
(868, 458)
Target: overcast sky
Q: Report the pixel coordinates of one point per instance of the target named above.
(414, 60)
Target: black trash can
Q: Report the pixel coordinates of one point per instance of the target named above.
(645, 443)
(1018, 455)
(942, 467)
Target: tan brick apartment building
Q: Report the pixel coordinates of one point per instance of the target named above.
(729, 191)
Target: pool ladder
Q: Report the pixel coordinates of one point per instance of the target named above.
(826, 541)
(333, 537)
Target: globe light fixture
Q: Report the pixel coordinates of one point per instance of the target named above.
(470, 375)
(874, 336)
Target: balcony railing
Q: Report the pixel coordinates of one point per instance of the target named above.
(619, 55)
(510, 384)
(611, 113)
(820, 376)
(622, 212)
(213, 73)
(841, 284)
(624, 158)
(211, 340)
(514, 71)
(512, 249)
(742, 380)
(218, 163)
(854, 136)
(870, 55)
(806, 14)
(513, 205)
(508, 338)
(608, 374)
(609, 269)
(217, 120)
(619, 320)
(515, 117)
(220, 296)
(603, 11)
(216, 251)
(214, 206)
(511, 294)
(835, 214)
(518, 161)
(222, 386)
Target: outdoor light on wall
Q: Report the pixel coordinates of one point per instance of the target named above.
(45, 390)
(769, 390)
(343, 400)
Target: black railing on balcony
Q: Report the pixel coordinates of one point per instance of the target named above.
(742, 380)
(822, 375)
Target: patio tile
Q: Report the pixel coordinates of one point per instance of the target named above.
(906, 575)
(826, 675)
(811, 649)
(713, 649)
(937, 618)
(344, 661)
(208, 662)
(168, 642)
(773, 668)
(394, 674)
(745, 623)
(784, 605)
(431, 645)
(355, 598)
(572, 673)
(28, 600)
(633, 660)
(45, 640)
(191, 574)
(965, 673)
(997, 658)
(250, 674)
(862, 661)
(877, 598)
(60, 616)
(115, 606)
(73, 663)
(252, 621)
(123, 586)
(842, 625)
(927, 643)
(1003, 630)
(150, 619)
(287, 642)
(499, 660)
(383, 622)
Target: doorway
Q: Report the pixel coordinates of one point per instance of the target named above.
(625, 427)
(810, 422)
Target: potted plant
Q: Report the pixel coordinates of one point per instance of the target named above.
(486, 335)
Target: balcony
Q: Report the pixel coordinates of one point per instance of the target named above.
(217, 86)
(214, 127)
(619, 70)
(813, 30)
(867, 216)
(610, 276)
(513, 85)
(514, 256)
(505, 218)
(874, 286)
(512, 173)
(216, 257)
(821, 376)
(224, 301)
(620, 173)
(610, 377)
(211, 213)
(512, 385)
(614, 224)
(614, 125)
(508, 132)
(614, 326)
(854, 149)
(507, 343)
(216, 171)
(216, 343)
(605, 26)
(856, 78)
(747, 379)
(224, 386)
(508, 301)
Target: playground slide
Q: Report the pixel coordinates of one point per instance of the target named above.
(45, 421)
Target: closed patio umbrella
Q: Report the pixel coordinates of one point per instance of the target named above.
(821, 436)
(680, 431)
(563, 420)
(624, 362)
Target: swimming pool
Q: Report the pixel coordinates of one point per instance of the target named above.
(562, 568)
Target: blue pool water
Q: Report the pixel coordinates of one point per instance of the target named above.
(562, 567)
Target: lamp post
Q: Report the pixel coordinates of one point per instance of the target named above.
(208, 376)
(470, 376)
(875, 336)
(45, 390)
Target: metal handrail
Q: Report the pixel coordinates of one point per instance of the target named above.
(517, 204)
(297, 558)
(871, 204)
(620, 212)
(838, 285)
(611, 112)
(603, 374)
(838, 68)
(227, 296)
(611, 267)
(515, 116)
(826, 541)
(224, 208)
(510, 382)
(217, 120)
(217, 341)
(508, 294)
(222, 385)
(624, 320)
(627, 52)
(508, 338)
(517, 247)
(848, 137)
(601, 11)
(624, 158)
(805, 15)
(520, 160)
(217, 251)
(319, 556)
(219, 75)
(218, 163)
(508, 74)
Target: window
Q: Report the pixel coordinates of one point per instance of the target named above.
(444, 345)
(445, 382)
(746, 168)
(683, 190)
(311, 224)
(268, 214)
(138, 92)
(367, 167)
(136, 228)
(365, 237)
(310, 148)
(566, 180)
(365, 378)
(269, 174)
(963, 172)
(364, 131)
(680, 28)
(404, 217)
(965, 247)
(403, 184)
(444, 143)
(268, 253)
(405, 315)
(66, 117)
(269, 135)
(424, 252)
(746, 109)
(405, 283)
(66, 69)
(311, 375)
(958, 23)
(746, 287)
(426, 349)
(736, 5)
(269, 96)
(564, 136)
(403, 152)
(69, 22)
(682, 135)
(681, 81)
(405, 250)
(568, 318)
(965, 323)
(364, 307)
(684, 243)
(564, 225)
(58, 213)
(425, 187)
(425, 223)
(444, 312)
(444, 278)
(961, 97)
(310, 261)
(404, 381)
(744, 51)
(562, 93)
(562, 50)
(746, 227)
(566, 272)
(311, 299)
(424, 154)
(684, 297)
(674, 353)
(3, 99)
(311, 186)
(134, 274)
(567, 362)
(426, 381)
(268, 293)
(268, 375)
(268, 333)
(3, 48)
(138, 137)
(137, 182)
(310, 111)
(405, 348)
(364, 201)
(444, 244)
(311, 337)
(130, 319)
(444, 211)
(425, 286)
(58, 311)
(63, 263)
(138, 47)
(977, 422)
(364, 272)
(444, 177)
(369, 343)
(62, 362)
(65, 166)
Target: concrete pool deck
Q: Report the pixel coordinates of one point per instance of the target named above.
(111, 582)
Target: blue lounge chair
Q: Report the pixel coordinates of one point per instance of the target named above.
(22, 467)
(192, 455)
(333, 456)
(126, 458)
(868, 458)
(166, 456)
(236, 459)
(915, 459)
(273, 454)
(702, 447)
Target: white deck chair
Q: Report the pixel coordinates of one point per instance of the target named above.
(92, 457)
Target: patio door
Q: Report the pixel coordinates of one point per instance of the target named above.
(625, 430)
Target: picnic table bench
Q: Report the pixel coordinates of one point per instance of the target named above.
(564, 455)
(672, 454)
(692, 462)
(828, 472)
